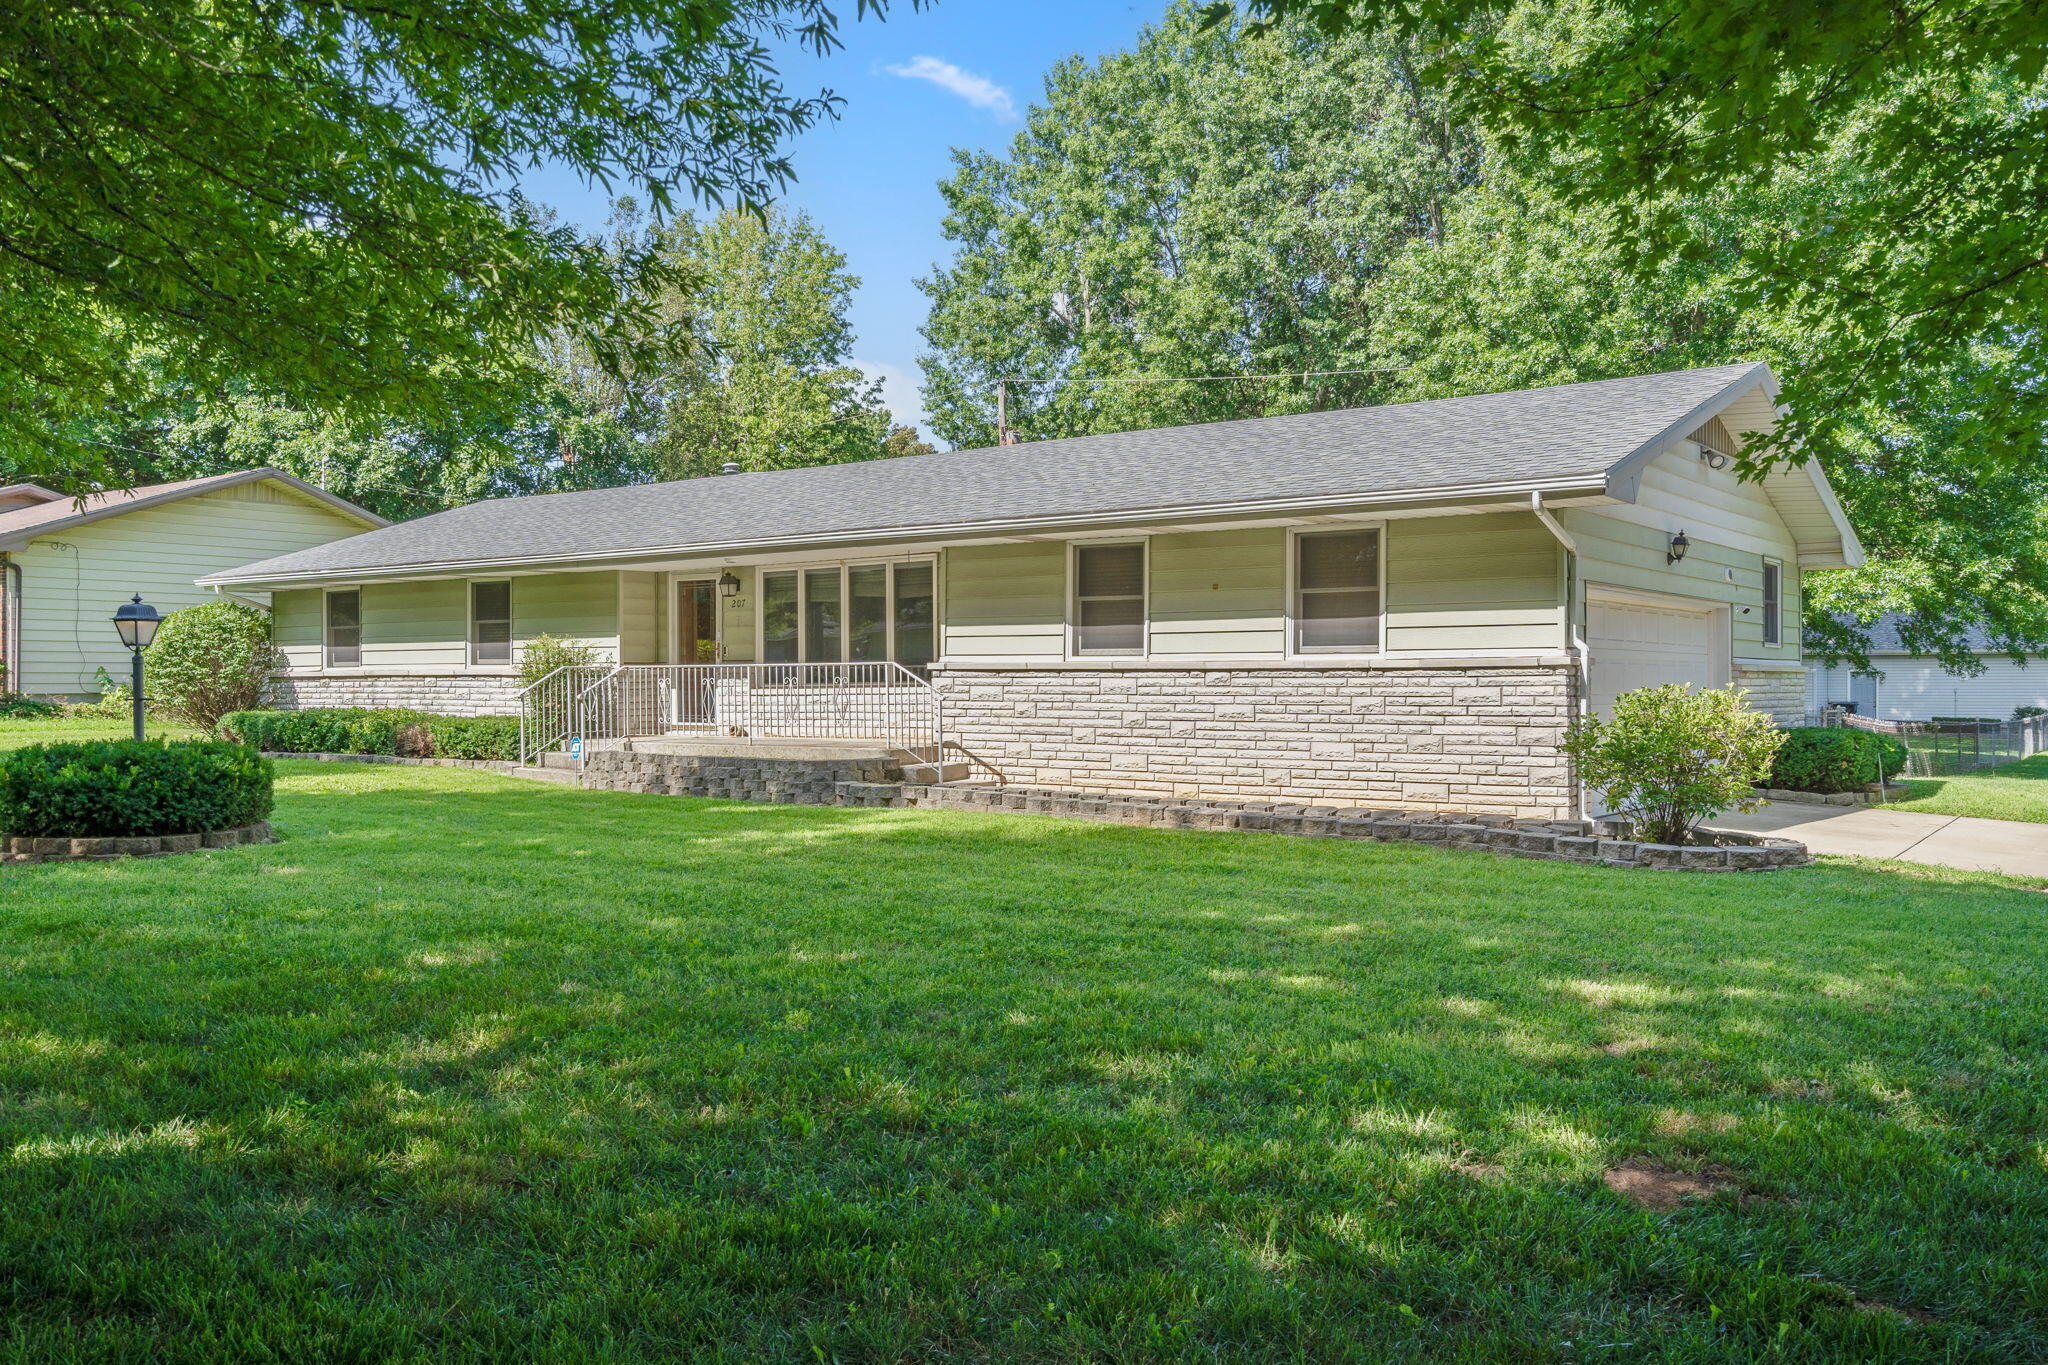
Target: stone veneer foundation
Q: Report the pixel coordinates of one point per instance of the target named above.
(445, 694)
(1779, 691)
(1464, 738)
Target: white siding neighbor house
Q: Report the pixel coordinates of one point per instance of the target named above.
(1902, 685)
(1400, 605)
(65, 566)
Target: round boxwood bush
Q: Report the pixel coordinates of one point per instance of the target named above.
(118, 787)
(1817, 758)
(211, 659)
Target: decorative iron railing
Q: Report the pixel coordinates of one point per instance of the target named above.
(884, 703)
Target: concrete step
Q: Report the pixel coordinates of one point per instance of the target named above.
(561, 777)
(954, 770)
(557, 759)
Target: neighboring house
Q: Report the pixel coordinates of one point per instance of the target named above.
(1401, 605)
(1907, 686)
(66, 565)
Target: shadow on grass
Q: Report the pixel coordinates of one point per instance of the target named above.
(473, 1067)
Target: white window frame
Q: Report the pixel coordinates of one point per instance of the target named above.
(1772, 625)
(1290, 610)
(469, 631)
(327, 596)
(1073, 613)
(845, 566)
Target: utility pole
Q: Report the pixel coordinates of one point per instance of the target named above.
(1004, 436)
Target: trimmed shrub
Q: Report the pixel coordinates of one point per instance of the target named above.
(209, 660)
(543, 654)
(1671, 757)
(407, 734)
(484, 737)
(1816, 758)
(125, 787)
(2025, 712)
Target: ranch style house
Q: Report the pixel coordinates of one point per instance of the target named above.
(1399, 606)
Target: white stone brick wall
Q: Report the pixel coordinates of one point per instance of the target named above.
(1779, 691)
(481, 694)
(1453, 738)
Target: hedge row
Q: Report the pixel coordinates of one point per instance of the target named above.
(123, 787)
(408, 734)
(1817, 758)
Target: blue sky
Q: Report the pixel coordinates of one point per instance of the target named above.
(958, 74)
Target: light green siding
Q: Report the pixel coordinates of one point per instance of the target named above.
(1219, 592)
(640, 609)
(736, 620)
(1467, 584)
(74, 577)
(1473, 585)
(1623, 554)
(425, 625)
(1006, 601)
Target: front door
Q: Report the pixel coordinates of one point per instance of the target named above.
(696, 643)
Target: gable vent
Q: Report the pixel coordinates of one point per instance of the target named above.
(1716, 437)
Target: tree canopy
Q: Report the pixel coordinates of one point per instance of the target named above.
(1226, 200)
(1935, 120)
(313, 196)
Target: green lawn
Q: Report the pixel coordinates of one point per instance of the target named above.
(469, 1068)
(2016, 791)
(62, 729)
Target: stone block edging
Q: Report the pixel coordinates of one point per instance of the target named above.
(24, 848)
(491, 763)
(1868, 797)
(1550, 840)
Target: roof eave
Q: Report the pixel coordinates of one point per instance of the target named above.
(569, 561)
(339, 504)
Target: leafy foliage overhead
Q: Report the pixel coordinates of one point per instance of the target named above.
(1933, 114)
(311, 196)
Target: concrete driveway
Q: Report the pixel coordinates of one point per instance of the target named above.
(1964, 841)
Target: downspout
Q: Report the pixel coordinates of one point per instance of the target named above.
(1576, 641)
(10, 624)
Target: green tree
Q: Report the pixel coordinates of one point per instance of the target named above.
(312, 196)
(1198, 205)
(1523, 288)
(768, 380)
(1933, 255)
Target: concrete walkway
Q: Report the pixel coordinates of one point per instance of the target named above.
(1964, 841)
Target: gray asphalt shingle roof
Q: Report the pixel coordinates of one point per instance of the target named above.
(1531, 434)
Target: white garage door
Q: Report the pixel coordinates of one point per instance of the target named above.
(1634, 645)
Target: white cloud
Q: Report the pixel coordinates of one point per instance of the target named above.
(979, 91)
(900, 392)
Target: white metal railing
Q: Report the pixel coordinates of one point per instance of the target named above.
(547, 708)
(886, 703)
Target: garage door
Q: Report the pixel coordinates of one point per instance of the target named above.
(1634, 645)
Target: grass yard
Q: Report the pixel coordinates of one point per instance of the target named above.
(476, 1069)
(64, 729)
(2016, 791)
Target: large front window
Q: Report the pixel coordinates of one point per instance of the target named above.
(860, 613)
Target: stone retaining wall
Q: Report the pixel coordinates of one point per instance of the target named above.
(798, 781)
(478, 694)
(1467, 739)
(16, 848)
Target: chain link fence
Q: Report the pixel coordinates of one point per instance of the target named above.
(1941, 748)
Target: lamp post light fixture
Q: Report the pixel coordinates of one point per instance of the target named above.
(136, 623)
(1679, 545)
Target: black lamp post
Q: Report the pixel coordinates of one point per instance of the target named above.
(136, 622)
